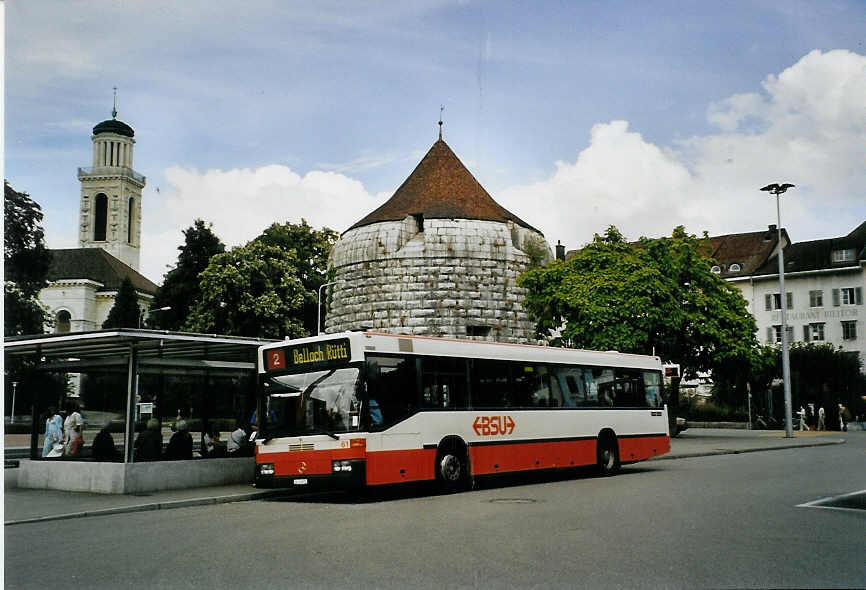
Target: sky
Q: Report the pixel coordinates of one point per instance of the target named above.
(573, 115)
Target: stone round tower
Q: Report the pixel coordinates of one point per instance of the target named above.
(439, 258)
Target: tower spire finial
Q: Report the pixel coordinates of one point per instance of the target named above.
(114, 110)
(441, 108)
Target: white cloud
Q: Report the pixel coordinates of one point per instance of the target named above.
(806, 127)
(241, 203)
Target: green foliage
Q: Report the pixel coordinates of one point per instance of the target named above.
(536, 249)
(125, 313)
(309, 250)
(656, 294)
(26, 261)
(252, 290)
(825, 375)
(267, 288)
(181, 285)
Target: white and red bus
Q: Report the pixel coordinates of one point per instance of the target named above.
(363, 408)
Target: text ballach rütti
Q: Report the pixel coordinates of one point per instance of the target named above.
(320, 354)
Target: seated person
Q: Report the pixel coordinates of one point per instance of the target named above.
(103, 448)
(218, 448)
(148, 445)
(237, 444)
(180, 445)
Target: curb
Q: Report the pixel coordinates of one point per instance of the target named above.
(148, 507)
(275, 492)
(715, 452)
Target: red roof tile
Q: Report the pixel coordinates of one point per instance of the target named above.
(441, 187)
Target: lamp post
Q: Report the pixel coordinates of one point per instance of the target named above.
(778, 189)
(14, 389)
(145, 313)
(319, 309)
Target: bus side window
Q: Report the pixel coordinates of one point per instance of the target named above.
(443, 383)
(490, 384)
(652, 382)
(392, 385)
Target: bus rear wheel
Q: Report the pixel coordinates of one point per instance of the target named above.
(452, 467)
(607, 455)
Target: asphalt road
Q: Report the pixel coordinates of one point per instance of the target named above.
(730, 521)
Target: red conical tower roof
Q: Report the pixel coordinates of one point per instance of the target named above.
(441, 187)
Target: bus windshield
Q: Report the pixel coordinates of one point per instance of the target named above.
(321, 402)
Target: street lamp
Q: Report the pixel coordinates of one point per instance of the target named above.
(778, 189)
(319, 309)
(145, 313)
(14, 389)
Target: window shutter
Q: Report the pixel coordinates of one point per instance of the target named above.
(806, 333)
(790, 332)
(789, 300)
(858, 295)
(835, 297)
(768, 301)
(770, 335)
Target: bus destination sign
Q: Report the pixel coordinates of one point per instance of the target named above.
(310, 356)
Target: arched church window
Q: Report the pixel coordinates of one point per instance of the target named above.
(100, 221)
(129, 220)
(63, 322)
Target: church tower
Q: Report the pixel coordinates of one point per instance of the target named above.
(110, 210)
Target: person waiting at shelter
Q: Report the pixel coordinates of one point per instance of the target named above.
(73, 427)
(53, 431)
(218, 448)
(103, 448)
(237, 444)
(180, 445)
(148, 445)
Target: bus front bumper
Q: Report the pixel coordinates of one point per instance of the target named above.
(343, 479)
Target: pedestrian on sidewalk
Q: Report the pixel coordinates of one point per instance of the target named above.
(802, 414)
(53, 431)
(821, 419)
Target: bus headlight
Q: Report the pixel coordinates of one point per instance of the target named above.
(341, 466)
(266, 469)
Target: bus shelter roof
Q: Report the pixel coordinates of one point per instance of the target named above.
(80, 351)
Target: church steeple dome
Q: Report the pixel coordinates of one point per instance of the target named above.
(110, 215)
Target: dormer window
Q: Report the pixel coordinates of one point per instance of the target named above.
(846, 255)
(734, 267)
(716, 269)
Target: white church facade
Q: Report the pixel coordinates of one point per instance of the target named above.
(84, 281)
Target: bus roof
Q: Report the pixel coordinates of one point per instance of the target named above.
(362, 343)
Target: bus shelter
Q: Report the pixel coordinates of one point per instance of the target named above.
(138, 375)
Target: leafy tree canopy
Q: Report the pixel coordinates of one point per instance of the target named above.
(26, 262)
(125, 312)
(308, 249)
(252, 290)
(656, 294)
(180, 288)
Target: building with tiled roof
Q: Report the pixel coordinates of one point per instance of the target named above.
(83, 283)
(441, 257)
(824, 283)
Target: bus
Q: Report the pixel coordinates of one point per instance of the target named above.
(359, 409)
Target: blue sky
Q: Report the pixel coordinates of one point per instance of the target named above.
(574, 115)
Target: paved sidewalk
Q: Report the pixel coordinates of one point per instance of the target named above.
(28, 505)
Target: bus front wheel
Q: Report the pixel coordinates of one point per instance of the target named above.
(607, 455)
(452, 466)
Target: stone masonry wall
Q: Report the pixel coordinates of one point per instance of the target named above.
(456, 273)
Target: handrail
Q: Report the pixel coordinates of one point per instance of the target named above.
(111, 171)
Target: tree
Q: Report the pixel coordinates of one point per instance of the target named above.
(181, 285)
(26, 262)
(125, 313)
(309, 250)
(252, 290)
(654, 295)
